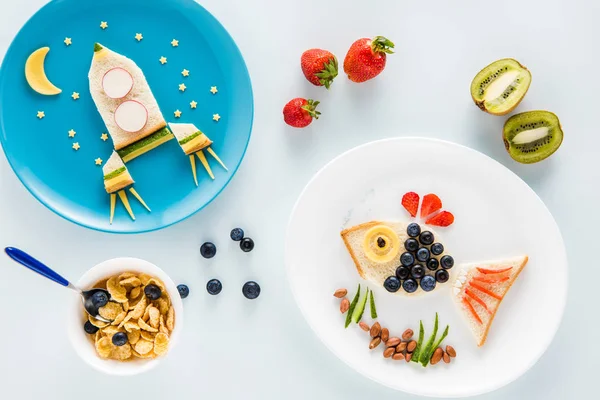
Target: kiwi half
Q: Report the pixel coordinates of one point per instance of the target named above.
(531, 136)
(499, 88)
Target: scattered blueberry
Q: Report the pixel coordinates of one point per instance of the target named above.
(413, 230)
(152, 292)
(402, 272)
(99, 299)
(447, 262)
(380, 242)
(433, 264)
(437, 249)
(119, 339)
(442, 276)
(183, 290)
(410, 285)
(237, 234)
(251, 290)
(391, 284)
(214, 286)
(417, 271)
(247, 244)
(423, 254)
(428, 283)
(411, 245)
(426, 238)
(208, 250)
(407, 259)
(89, 328)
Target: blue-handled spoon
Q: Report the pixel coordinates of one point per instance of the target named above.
(90, 302)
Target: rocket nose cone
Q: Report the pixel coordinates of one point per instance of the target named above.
(97, 47)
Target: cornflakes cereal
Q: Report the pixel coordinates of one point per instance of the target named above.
(117, 292)
(121, 353)
(145, 326)
(147, 336)
(143, 346)
(154, 315)
(96, 322)
(146, 315)
(133, 337)
(161, 344)
(144, 278)
(139, 309)
(162, 327)
(125, 306)
(163, 305)
(110, 310)
(131, 282)
(147, 355)
(135, 292)
(119, 318)
(171, 319)
(125, 275)
(104, 347)
(131, 326)
(158, 283)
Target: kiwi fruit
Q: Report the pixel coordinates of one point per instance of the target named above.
(499, 88)
(532, 136)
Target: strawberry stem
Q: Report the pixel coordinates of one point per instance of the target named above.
(380, 44)
(311, 108)
(328, 73)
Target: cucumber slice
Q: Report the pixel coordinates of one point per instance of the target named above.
(436, 345)
(352, 307)
(415, 356)
(360, 307)
(427, 349)
(372, 304)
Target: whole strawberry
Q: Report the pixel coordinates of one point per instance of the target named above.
(366, 58)
(300, 112)
(319, 66)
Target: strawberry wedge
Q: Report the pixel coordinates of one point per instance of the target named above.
(410, 201)
(431, 204)
(443, 219)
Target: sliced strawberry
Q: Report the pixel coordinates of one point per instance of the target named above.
(484, 290)
(493, 271)
(445, 218)
(491, 280)
(471, 308)
(410, 201)
(431, 203)
(477, 299)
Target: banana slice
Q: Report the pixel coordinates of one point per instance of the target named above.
(381, 244)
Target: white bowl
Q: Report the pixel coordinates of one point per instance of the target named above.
(81, 341)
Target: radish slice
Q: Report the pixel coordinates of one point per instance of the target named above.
(117, 83)
(131, 116)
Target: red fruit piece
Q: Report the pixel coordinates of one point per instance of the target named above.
(445, 218)
(366, 58)
(319, 66)
(300, 112)
(410, 201)
(493, 271)
(472, 309)
(431, 203)
(477, 299)
(484, 290)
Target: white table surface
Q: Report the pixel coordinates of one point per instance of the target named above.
(232, 348)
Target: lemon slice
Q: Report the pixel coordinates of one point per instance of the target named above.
(381, 244)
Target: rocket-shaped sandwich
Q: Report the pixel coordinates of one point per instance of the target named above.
(193, 141)
(116, 179)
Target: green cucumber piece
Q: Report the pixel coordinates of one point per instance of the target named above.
(360, 307)
(427, 349)
(415, 356)
(436, 345)
(372, 304)
(352, 307)
(114, 174)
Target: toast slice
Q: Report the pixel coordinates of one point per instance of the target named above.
(480, 288)
(190, 138)
(116, 175)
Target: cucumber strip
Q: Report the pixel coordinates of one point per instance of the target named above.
(423, 355)
(352, 306)
(372, 304)
(360, 307)
(415, 356)
(436, 345)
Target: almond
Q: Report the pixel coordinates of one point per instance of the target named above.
(388, 352)
(410, 347)
(407, 335)
(446, 358)
(375, 330)
(393, 342)
(401, 347)
(374, 343)
(364, 326)
(398, 356)
(385, 335)
(340, 293)
(450, 350)
(437, 356)
(408, 357)
(344, 305)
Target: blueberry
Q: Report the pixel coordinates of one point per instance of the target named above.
(391, 284)
(423, 254)
(214, 286)
(428, 283)
(119, 339)
(442, 276)
(99, 299)
(437, 249)
(407, 259)
(402, 272)
(236, 234)
(208, 250)
(247, 244)
(447, 262)
(426, 238)
(417, 271)
(433, 264)
(413, 230)
(410, 285)
(251, 290)
(89, 328)
(411, 244)
(152, 292)
(183, 290)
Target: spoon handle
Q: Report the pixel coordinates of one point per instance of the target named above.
(25, 259)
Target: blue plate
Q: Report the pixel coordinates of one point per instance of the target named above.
(67, 181)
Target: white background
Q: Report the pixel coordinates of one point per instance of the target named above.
(233, 348)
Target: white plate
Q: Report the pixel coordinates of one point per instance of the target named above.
(497, 215)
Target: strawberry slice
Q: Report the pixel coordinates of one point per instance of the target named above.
(431, 203)
(484, 290)
(410, 201)
(477, 299)
(493, 271)
(445, 218)
(471, 308)
(485, 279)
